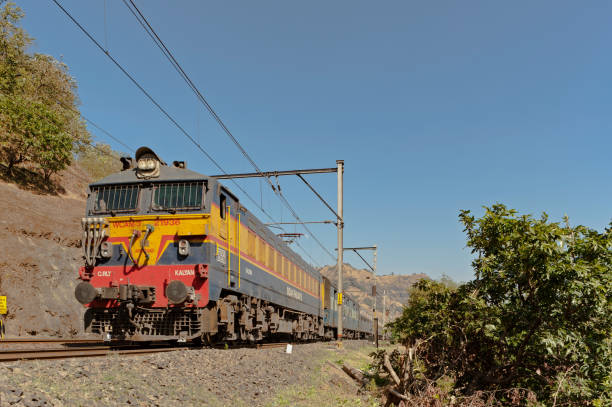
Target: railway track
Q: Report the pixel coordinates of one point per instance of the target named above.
(97, 349)
(48, 340)
(272, 345)
(37, 354)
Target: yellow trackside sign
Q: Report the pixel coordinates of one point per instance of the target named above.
(339, 298)
(3, 308)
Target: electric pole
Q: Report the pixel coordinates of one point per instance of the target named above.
(340, 171)
(375, 295)
(384, 311)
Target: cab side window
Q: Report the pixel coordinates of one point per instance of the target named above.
(222, 205)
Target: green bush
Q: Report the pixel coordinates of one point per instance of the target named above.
(537, 316)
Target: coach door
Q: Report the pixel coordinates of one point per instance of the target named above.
(229, 231)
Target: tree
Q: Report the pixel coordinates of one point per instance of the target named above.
(39, 120)
(26, 127)
(537, 316)
(13, 43)
(53, 152)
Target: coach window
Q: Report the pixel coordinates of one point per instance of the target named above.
(223, 202)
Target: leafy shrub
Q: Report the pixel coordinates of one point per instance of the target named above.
(537, 316)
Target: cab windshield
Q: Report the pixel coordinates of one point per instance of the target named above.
(177, 195)
(115, 198)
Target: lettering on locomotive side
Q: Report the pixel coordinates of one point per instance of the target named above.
(127, 224)
(167, 222)
(222, 256)
(184, 272)
(291, 292)
(104, 273)
(138, 223)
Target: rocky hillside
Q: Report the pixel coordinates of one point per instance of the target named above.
(40, 255)
(358, 284)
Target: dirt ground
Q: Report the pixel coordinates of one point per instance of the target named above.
(309, 376)
(40, 238)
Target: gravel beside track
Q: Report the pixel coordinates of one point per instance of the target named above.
(215, 377)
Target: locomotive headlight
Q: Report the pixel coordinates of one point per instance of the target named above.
(183, 247)
(147, 164)
(106, 250)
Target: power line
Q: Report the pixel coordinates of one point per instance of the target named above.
(160, 44)
(148, 95)
(106, 132)
(170, 117)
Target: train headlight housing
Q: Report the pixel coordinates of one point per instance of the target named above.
(106, 250)
(183, 247)
(147, 163)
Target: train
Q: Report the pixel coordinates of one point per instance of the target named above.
(173, 255)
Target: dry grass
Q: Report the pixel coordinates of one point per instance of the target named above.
(328, 385)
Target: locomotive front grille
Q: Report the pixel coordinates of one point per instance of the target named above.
(153, 322)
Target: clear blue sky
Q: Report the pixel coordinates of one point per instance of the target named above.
(434, 106)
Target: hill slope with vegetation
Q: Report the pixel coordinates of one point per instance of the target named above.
(46, 161)
(358, 284)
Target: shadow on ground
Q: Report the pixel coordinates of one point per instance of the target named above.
(30, 180)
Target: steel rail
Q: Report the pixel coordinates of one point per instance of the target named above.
(48, 340)
(13, 351)
(11, 356)
(272, 345)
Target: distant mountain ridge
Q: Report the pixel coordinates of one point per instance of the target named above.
(358, 284)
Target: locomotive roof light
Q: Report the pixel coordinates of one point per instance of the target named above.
(147, 163)
(127, 162)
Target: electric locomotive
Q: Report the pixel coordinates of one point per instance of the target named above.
(171, 254)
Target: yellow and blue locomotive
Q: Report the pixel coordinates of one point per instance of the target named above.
(171, 254)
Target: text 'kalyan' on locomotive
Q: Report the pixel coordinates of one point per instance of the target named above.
(171, 254)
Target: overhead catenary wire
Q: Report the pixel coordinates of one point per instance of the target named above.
(168, 54)
(164, 112)
(107, 133)
(150, 97)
